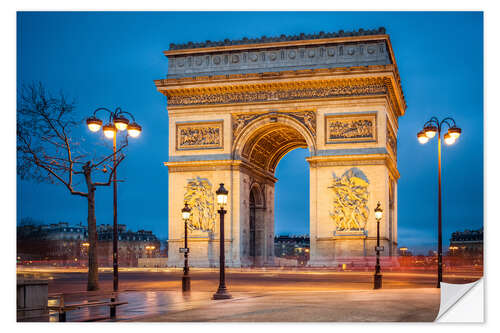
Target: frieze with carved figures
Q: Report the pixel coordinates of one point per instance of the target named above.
(264, 95)
(351, 128)
(203, 135)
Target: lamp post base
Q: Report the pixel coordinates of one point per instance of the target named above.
(222, 294)
(186, 283)
(377, 281)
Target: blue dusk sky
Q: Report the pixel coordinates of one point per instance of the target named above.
(110, 59)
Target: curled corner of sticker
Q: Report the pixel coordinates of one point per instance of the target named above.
(462, 303)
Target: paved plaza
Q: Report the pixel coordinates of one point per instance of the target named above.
(315, 306)
(259, 295)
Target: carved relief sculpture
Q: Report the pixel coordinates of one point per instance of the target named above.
(200, 198)
(391, 140)
(307, 118)
(246, 96)
(350, 199)
(349, 128)
(199, 135)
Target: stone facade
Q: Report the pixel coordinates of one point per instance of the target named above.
(232, 121)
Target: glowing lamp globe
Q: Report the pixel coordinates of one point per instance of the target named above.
(186, 212)
(454, 132)
(121, 123)
(448, 139)
(422, 138)
(94, 124)
(430, 131)
(378, 211)
(221, 195)
(134, 130)
(109, 131)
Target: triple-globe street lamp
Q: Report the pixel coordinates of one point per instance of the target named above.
(222, 292)
(431, 128)
(186, 279)
(117, 122)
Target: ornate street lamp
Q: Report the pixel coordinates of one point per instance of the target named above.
(377, 278)
(149, 250)
(117, 123)
(186, 279)
(431, 128)
(222, 201)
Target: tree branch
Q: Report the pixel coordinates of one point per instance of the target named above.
(111, 155)
(113, 170)
(44, 166)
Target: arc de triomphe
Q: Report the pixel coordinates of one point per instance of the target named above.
(237, 107)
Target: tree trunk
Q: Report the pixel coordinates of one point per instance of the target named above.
(93, 277)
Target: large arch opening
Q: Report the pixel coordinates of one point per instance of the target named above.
(261, 148)
(292, 194)
(270, 144)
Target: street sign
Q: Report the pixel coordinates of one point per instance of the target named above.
(184, 250)
(379, 248)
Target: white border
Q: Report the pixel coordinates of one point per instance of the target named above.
(492, 160)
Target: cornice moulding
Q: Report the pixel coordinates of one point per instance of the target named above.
(226, 48)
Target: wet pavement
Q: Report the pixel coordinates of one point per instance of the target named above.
(259, 295)
(392, 305)
(401, 305)
(139, 304)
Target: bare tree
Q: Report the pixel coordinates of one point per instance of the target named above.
(47, 152)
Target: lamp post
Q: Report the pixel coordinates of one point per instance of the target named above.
(85, 249)
(117, 121)
(222, 201)
(453, 249)
(149, 250)
(377, 278)
(186, 279)
(431, 128)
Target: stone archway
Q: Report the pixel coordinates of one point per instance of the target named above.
(260, 145)
(255, 226)
(236, 108)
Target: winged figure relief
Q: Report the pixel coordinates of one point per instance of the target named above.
(350, 199)
(200, 198)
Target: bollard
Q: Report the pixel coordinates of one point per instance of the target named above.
(112, 309)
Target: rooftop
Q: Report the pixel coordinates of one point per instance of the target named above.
(282, 38)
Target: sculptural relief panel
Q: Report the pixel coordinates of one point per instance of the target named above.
(201, 199)
(199, 135)
(350, 128)
(391, 140)
(350, 202)
(264, 94)
(307, 118)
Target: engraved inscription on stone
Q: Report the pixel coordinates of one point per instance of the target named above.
(204, 135)
(351, 128)
(350, 201)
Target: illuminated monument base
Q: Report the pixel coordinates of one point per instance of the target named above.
(236, 108)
